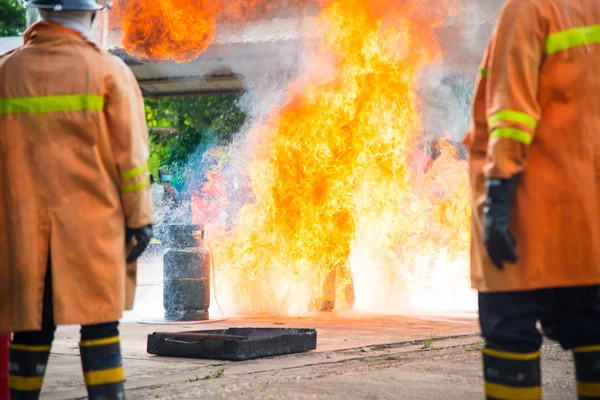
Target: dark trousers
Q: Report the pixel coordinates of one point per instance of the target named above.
(100, 356)
(46, 335)
(571, 316)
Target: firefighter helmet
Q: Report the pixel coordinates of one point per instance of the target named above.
(69, 5)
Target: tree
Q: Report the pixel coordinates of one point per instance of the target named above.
(12, 17)
(201, 122)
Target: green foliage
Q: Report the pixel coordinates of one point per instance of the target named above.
(216, 374)
(159, 152)
(201, 122)
(428, 343)
(219, 112)
(12, 17)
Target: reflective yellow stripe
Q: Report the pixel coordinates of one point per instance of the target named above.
(25, 384)
(510, 133)
(585, 389)
(510, 356)
(104, 376)
(45, 104)
(512, 393)
(572, 38)
(483, 72)
(135, 172)
(99, 342)
(136, 187)
(586, 349)
(24, 347)
(512, 116)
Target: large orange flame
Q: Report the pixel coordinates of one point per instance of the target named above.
(338, 216)
(167, 29)
(180, 30)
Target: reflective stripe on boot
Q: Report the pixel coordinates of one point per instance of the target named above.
(511, 376)
(103, 368)
(587, 369)
(26, 369)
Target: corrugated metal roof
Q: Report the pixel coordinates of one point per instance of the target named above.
(237, 50)
(274, 30)
(274, 46)
(10, 43)
(277, 47)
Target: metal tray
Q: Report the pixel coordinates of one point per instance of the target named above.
(235, 344)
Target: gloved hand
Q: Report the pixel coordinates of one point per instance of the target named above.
(499, 243)
(142, 236)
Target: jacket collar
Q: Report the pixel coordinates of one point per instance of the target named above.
(48, 29)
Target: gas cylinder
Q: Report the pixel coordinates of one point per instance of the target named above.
(186, 274)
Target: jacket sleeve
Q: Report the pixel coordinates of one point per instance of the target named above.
(477, 136)
(126, 124)
(512, 107)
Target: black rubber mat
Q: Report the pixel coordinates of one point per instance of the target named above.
(235, 344)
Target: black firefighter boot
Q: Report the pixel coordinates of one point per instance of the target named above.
(511, 376)
(26, 368)
(587, 369)
(103, 368)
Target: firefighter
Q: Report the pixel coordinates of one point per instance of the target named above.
(75, 209)
(534, 146)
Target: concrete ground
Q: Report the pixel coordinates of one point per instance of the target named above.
(357, 357)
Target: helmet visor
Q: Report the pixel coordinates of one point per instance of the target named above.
(100, 27)
(98, 32)
(70, 5)
(32, 16)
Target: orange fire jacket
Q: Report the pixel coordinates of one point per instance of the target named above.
(73, 153)
(536, 112)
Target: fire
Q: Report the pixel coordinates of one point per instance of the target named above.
(180, 30)
(338, 216)
(167, 29)
(211, 199)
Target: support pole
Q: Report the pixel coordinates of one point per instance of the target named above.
(4, 340)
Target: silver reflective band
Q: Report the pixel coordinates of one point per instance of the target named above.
(32, 16)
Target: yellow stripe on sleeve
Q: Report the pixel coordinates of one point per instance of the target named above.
(513, 116)
(136, 187)
(134, 172)
(511, 133)
(570, 38)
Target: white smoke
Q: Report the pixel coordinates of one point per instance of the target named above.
(446, 86)
(283, 55)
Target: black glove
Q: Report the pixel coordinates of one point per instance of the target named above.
(142, 236)
(499, 243)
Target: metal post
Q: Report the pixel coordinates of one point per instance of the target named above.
(4, 340)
